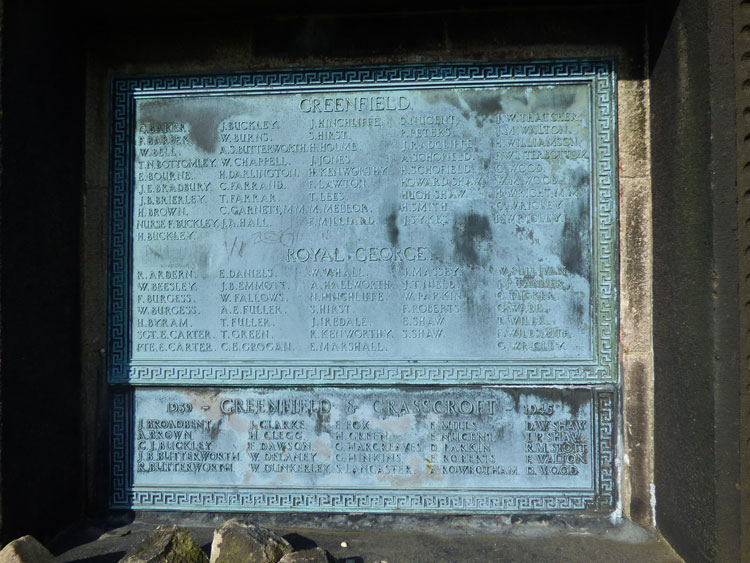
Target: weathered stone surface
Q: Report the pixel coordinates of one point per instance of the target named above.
(247, 542)
(167, 544)
(314, 555)
(25, 549)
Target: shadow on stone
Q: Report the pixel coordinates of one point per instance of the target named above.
(107, 558)
(299, 542)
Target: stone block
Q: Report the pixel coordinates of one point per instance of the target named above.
(246, 542)
(167, 544)
(314, 555)
(25, 550)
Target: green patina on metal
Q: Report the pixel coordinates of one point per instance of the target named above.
(447, 228)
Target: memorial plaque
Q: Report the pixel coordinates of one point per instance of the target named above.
(419, 449)
(441, 228)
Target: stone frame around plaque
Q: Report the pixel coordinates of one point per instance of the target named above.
(599, 74)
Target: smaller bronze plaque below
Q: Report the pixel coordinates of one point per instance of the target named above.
(485, 449)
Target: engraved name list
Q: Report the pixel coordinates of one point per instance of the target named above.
(435, 224)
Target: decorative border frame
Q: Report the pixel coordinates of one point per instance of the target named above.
(599, 73)
(368, 374)
(600, 499)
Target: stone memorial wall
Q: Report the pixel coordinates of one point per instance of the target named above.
(373, 289)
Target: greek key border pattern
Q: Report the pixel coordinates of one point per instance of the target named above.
(605, 209)
(358, 501)
(600, 499)
(382, 76)
(599, 73)
(311, 375)
(121, 439)
(120, 215)
(606, 425)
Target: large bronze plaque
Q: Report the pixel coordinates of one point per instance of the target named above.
(445, 226)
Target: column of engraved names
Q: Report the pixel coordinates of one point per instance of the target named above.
(170, 191)
(280, 439)
(541, 175)
(437, 171)
(553, 446)
(258, 170)
(467, 440)
(172, 444)
(343, 284)
(362, 448)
